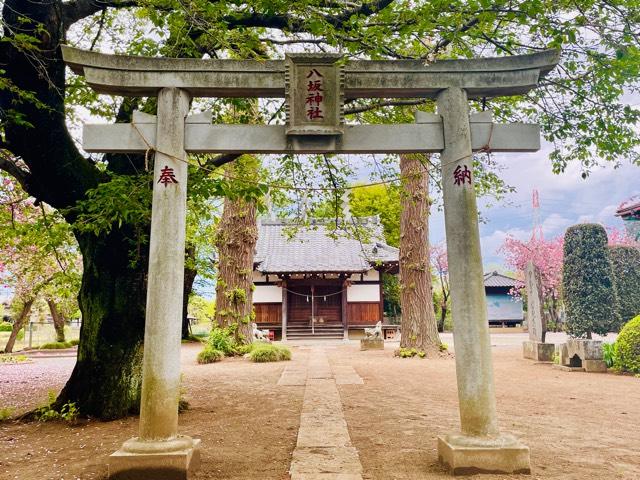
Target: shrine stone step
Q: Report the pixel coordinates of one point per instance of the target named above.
(304, 332)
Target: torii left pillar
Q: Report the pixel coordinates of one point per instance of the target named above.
(159, 452)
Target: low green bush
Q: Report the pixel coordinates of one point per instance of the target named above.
(245, 349)
(68, 413)
(609, 354)
(210, 355)
(268, 352)
(223, 339)
(55, 346)
(410, 352)
(6, 327)
(628, 347)
(74, 342)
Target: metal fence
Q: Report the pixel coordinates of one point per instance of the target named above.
(36, 334)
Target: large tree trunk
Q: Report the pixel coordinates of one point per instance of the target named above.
(190, 273)
(418, 326)
(58, 320)
(18, 324)
(106, 380)
(236, 241)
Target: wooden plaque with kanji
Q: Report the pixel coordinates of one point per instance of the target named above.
(314, 94)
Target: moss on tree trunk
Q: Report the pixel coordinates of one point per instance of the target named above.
(236, 241)
(418, 326)
(106, 380)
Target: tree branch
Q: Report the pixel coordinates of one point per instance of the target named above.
(296, 24)
(223, 159)
(385, 103)
(79, 9)
(9, 166)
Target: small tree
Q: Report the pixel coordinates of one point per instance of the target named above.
(440, 263)
(625, 264)
(587, 282)
(546, 255)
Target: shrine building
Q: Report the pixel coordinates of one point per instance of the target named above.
(503, 309)
(629, 212)
(312, 282)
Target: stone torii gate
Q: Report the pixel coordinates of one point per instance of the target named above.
(314, 86)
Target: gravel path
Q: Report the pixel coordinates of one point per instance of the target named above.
(24, 385)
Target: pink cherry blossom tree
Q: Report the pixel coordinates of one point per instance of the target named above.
(39, 257)
(440, 264)
(547, 256)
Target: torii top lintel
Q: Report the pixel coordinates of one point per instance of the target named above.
(145, 76)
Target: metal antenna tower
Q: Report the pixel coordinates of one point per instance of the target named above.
(537, 227)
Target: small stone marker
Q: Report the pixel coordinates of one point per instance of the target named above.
(536, 348)
(580, 354)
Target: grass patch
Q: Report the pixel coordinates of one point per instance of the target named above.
(14, 358)
(210, 355)
(267, 352)
(5, 413)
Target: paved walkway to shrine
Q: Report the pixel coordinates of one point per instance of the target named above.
(323, 449)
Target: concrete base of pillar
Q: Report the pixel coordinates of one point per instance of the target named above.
(372, 344)
(468, 455)
(538, 351)
(159, 465)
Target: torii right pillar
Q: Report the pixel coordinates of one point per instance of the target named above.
(479, 447)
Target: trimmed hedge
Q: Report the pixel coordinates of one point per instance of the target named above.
(625, 263)
(56, 346)
(587, 282)
(210, 355)
(267, 352)
(6, 327)
(628, 347)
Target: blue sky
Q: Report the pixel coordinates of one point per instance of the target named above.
(565, 199)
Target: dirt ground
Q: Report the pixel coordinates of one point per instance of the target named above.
(578, 426)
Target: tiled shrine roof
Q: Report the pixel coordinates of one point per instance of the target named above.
(284, 247)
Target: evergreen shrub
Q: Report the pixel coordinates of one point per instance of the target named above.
(625, 263)
(587, 283)
(267, 352)
(6, 327)
(628, 347)
(210, 355)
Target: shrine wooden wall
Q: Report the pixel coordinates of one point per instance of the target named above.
(363, 313)
(268, 313)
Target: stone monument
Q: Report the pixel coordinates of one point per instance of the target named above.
(535, 348)
(314, 87)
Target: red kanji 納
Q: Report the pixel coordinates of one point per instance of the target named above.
(460, 176)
